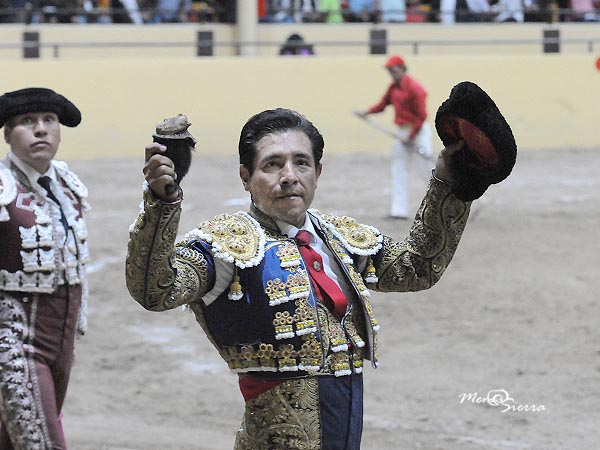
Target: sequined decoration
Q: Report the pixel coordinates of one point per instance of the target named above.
(284, 417)
(20, 409)
(276, 291)
(283, 323)
(288, 255)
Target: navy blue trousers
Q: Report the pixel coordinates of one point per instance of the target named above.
(341, 408)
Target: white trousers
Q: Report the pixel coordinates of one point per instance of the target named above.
(418, 153)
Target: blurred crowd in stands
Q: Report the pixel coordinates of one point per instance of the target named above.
(296, 11)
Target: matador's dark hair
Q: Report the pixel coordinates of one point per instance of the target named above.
(273, 121)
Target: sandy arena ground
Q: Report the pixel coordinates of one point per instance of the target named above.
(518, 310)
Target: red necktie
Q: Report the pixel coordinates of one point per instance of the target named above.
(325, 288)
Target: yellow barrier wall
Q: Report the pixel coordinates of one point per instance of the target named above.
(348, 39)
(549, 100)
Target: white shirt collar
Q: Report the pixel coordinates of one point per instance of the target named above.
(33, 175)
(290, 230)
(30, 172)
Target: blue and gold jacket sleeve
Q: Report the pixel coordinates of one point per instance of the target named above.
(418, 262)
(159, 274)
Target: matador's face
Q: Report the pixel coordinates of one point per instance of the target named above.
(285, 175)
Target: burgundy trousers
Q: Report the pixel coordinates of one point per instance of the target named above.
(37, 333)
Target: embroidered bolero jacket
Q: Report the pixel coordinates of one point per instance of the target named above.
(35, 253)
(268, 321)
(31, 232)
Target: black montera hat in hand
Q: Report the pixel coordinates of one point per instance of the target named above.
(34, 100)
(489, 151)
(173, 133)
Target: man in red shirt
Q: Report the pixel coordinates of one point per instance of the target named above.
(407, 96)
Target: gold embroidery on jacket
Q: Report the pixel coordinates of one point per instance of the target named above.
(159, 276)
(236, 238)
(284, 417)
(358, 238)
(419, 261)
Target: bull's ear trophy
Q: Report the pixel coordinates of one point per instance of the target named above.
(489, 152)
(173, 132)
